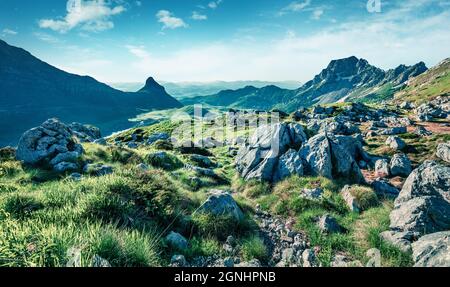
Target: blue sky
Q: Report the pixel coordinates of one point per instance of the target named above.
(207, 40)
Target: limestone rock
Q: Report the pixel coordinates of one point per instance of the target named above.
(400, 165)
(432, 250)
(221, 203)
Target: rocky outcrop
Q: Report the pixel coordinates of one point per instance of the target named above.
(50, 145)
(423, 205)
(260, 158)
(85, 133)
(272, 155)
(331, 157)
(432, 250)
(384, 189)
(428, 111)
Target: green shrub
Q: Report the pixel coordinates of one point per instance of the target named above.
(219, 227)
(154, 191)
(108, 207)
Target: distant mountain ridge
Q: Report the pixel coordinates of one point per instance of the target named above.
(433, 83)
(33, 91)
(183, 90)
(348, 79)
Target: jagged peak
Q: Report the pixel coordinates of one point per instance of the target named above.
(152, 85)
(151, 82)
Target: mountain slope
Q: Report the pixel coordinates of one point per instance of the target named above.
(349, 79)
(32, 91)
(431, 84)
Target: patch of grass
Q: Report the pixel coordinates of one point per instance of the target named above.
(220, 227)
(252, 188)
(7, 154)
(21, 206)
(297, 183)
(254, 248)
(366, 233)
(164, 160)
(364, 196)
(10, 168)
(38, 243)
(203, 247)
(329, 243)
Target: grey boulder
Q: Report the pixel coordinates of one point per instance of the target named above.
(260, 159)
(423, 205)
(400, 165)
(177, 241)
(51, 144)
(432, 250)
(443, 151)
(221, 203)
(395, 143)
(382, 168)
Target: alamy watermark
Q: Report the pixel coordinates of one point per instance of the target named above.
(374, 6)
(219, 129)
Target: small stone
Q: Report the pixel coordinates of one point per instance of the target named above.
(178, 261)
(99, 262)
(231, 241)
(228, 262)
(309, 258)
(328, 224)
(177, 241)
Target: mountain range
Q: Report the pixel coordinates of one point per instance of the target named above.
(348, 79)
(183, 90)
(33, 91)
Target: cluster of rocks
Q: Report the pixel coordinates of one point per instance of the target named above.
(399, 165)
(50, 145)
(54, 145)
(278, 151)
(438, 108)
(286, 248)
(85, 133)
(420, 220)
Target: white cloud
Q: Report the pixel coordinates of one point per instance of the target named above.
(47, 38)
(296, 6)
(138, 51)
(384, 43)
(169, 20)
(90, 15)
(199, 17)
(214, 4)
(317, 13)
(8, 31)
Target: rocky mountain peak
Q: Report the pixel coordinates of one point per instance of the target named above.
(152, 86)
